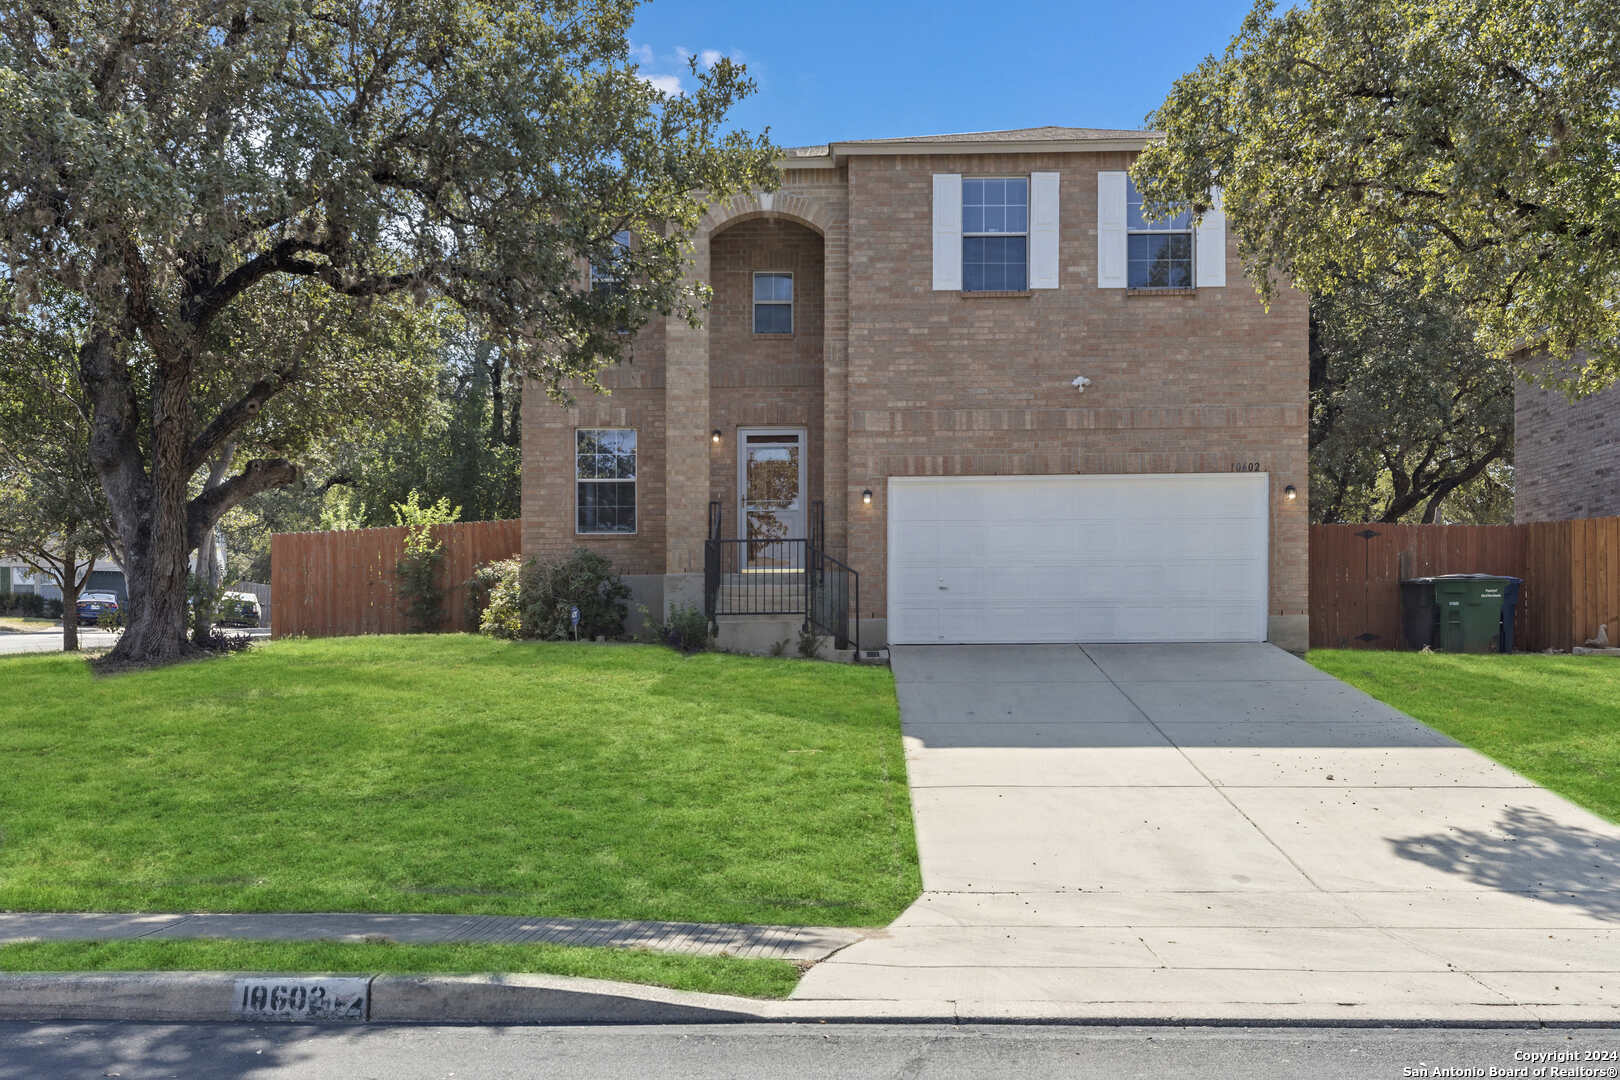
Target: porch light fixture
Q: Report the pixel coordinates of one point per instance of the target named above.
(1290, 493)
(866, 497)
(715, 437)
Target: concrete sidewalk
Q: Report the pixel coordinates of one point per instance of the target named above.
(1219, 830)
(800, 943)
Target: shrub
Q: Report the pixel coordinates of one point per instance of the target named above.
(221, 641)
(418, 568)
(687, 629)
(495, 593)
(809, 641)
(51, 609)
(28, 605)
(585, 580)
(482, 584)
(532, 600)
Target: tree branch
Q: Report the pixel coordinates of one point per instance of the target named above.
(260, 474)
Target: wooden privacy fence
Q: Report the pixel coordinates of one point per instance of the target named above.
(1571, 572)
(329, 584)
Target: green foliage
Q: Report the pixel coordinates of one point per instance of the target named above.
(1465, 145)
(273, 217)
(28, 605)
(809, 641)
(418, 569)
(1408, 413)
(585, 580)
(685, 629)
(532, 599)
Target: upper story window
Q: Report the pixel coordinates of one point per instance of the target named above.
(773, 303)
(1159, 253)
(611, 276)
(995, 235)
(605, 480)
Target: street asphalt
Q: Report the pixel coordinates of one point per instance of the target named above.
(779, 1052)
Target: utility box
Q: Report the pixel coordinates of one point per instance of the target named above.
(1470, 611)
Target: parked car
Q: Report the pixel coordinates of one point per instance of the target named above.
(238, 609)
(97, 607)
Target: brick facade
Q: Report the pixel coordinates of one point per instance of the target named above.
(1566, 454)
(901, 380)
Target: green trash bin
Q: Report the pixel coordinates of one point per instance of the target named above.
(1470, 607)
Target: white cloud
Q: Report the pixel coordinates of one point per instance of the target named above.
(710, 57)
(668, 84)
(641, 54)
(682, 53)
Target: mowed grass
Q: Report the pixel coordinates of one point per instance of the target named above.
(1555, 719)
(458, 774)
(706, 974)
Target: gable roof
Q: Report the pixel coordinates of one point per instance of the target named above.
(1014, 140)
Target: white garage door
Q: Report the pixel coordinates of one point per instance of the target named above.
(1078, 558)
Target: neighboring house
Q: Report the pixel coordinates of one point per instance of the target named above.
(1566, 454)
(896, 359)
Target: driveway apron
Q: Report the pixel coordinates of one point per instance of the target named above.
(1216, 830)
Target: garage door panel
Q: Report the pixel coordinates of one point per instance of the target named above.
(1078, 558)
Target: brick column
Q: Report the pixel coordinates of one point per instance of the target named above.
(835, 385)
(686, 449)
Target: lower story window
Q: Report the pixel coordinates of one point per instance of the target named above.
(605, 480)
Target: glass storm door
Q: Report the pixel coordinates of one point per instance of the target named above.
(771, 480)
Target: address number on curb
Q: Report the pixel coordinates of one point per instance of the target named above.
(330, 1000)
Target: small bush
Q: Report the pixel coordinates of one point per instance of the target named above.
(51, 609)
(809, 642)
(220, 641)
(27, 605)
(584, 580)
(418, 568)
(482, 584)
(686, 629)
(532, 600)
(779, 648)
(500, 611)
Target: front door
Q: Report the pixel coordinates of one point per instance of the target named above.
(770, 467)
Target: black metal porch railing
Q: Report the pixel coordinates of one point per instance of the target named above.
(788, 576)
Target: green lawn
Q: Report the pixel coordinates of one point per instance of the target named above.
(708, 974)
(26, 623)
(1555, 719)
(458, 774)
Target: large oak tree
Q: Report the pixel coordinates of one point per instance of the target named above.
(186, 166)
(1469, 146)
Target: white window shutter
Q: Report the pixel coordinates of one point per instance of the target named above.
(1043, 230)
(1111, 237)
(1209, 245)
(948, 231)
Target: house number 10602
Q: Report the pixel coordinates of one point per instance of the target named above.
(1247, 466)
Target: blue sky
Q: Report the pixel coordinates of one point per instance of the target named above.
(844, 70)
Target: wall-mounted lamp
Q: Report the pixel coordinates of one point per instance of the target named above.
(715, 437)
(866, 497)
(1290, 493)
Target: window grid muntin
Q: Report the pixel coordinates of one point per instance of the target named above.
(995, 234)
(605, 481)
(776, 304)
(1159, 254)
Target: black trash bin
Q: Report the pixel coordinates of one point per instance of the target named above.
(1510, 602)
(1419, 615)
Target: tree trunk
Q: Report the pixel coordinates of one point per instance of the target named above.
(148, 501)
(70, 598)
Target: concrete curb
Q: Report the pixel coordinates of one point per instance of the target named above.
(557, 1000)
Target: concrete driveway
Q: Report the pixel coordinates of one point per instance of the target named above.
(1222, 831)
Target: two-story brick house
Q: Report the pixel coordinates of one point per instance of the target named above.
(1019, 411)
